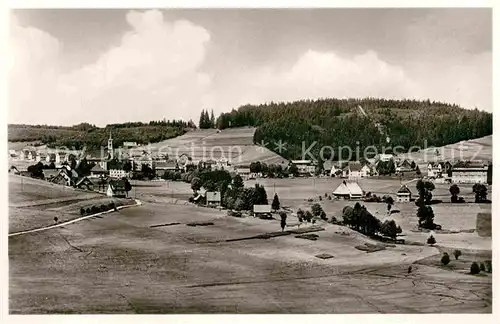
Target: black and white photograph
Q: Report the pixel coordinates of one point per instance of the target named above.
(176, 160)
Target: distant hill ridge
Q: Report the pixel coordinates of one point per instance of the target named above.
(353, 122)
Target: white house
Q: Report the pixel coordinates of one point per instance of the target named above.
(117, 173)
(434, 170)
(353, 170)
(116, 188)
(469, 172)
(384, 157)
(305, 167)
(365, 171)
(244, 172)
(404, 194)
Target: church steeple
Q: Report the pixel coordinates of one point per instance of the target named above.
(110, 145)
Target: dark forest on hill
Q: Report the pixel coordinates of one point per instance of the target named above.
(336, 123)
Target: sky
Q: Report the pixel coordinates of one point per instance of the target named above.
(104, 66)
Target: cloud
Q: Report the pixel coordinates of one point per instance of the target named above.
(320, 74)
(158, 70)
(153, 73)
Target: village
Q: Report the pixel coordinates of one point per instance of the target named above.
(112, 168)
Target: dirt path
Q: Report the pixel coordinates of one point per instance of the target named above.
(137, 203)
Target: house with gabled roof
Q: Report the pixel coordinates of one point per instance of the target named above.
(50, 174)
(404, 194)
(353, 170)
(116, 188)
(435, 169)
(469, 172)
(85, 183)
(348, 190)
(403, 166)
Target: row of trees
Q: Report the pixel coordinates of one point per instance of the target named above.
(234, 195)
(360, 219)
(93, 137)
(337, 123)
(207, 121)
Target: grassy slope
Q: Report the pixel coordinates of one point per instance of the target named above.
(234, 144)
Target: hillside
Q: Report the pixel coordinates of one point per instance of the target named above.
(93, 137)
(367, 122)
(474, 149)
(234, 144)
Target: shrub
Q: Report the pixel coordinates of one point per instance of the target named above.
(487, 264)
(474, 268)
(316, 209)
(445, 259)
(482, 267)
(103, 208)
(329, 197)
(457, 253)
(82, 211)
(323, 215)
(334, 220)
(88, 211)
(94, 209)
(431, 240)
(308, 216)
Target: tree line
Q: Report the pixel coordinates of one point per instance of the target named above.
(336, 123)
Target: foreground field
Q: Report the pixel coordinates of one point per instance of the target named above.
(119, 263)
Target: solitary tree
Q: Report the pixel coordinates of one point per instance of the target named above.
(454, 191)
(276, 202)
(316, 209)
(389, 228)
(128, 186)
(431, 240)
(474, 268)
(481, 192)
(238, 181)
(445, 259)
(196, 184)
(283, 220)
(482, 267)
(294, 170)
(457, 253)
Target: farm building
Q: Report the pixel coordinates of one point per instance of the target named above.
(348, 190)
(305, 167)
(28, 154)
(243, 172)
(384, 157)
(354, 170)
(97, 171)
(50, 174)
(434, 170)
(118, 173)
(85, 183)
(116, 188)
(129, 144)
(41, 157)
(62, 178)
(403, 166)
(404, 194)
(469, 172)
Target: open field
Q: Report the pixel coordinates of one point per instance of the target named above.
(34, 203)
(121, 264)
(235, 144)
(475, 149)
